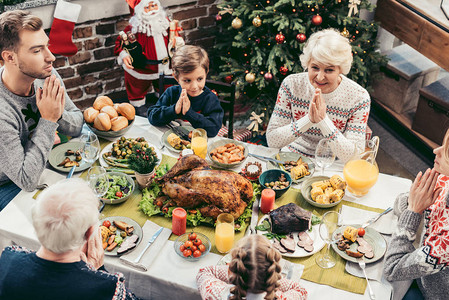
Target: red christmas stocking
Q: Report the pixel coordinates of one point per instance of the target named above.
(65, 16)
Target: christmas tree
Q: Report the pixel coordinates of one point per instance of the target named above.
(259, 42)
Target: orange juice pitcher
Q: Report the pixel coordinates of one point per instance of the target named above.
(361, 171)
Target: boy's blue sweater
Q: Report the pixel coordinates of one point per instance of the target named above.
(205, 110)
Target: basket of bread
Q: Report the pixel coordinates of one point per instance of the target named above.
(109, 120)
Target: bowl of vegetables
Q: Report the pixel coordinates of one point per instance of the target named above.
(121, 186)
(192, 246)
(278, 180)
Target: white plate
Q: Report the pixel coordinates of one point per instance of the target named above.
(167, 133)
(137, 231)
(292, 156)
(318, 242)
(108, 148)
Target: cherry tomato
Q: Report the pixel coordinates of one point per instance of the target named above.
(192, 236)
(119, 194)
(197, 242)
(182, 248)
(361, 231)
(197, 253)
(187, 252)
(194, 248)
(188, 244)
(106, 223)
(202, 248)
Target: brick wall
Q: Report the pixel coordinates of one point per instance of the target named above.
(94, 71)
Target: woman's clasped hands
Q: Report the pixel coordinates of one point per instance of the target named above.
(183, 104)
(423, 193)
(317, 108)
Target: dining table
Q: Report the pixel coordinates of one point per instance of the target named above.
(170, 276)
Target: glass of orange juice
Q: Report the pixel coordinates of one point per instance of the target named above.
(224, 233)
(199, 142)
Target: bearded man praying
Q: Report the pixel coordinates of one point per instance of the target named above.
(149, 25)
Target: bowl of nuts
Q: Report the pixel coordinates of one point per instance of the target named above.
(277, 180)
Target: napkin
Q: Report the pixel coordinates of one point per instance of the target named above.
(296, 270)
(149, 228)
(374, 270)
(385, 224)
(48, 177)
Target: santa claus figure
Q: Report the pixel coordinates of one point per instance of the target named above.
(150, 26)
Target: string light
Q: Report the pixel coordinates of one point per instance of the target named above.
(294, 10)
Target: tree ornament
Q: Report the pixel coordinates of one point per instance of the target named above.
(301, 37)
(250, 77)
(317, 20)
(257, 41)
(218, 17)
(280, 38)
(236, 23)
(353, 9)
(257, 21)
(283, 70)
(228, 79)
(345, 33)
(268, 76)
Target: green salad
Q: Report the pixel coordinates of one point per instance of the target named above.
(194, 217)
(119, 187)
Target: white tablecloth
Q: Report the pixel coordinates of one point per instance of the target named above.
(170, 277)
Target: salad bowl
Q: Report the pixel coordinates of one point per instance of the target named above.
(121, 187)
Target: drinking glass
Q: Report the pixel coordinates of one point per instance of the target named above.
(90, 147)
(98, 180)
(324, 156)
(329, 223)
(224, 233)
(199, 142)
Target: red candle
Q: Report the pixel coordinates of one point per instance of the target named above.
(179, 217)
(267, 200)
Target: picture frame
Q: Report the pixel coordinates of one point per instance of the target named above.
(445, 8)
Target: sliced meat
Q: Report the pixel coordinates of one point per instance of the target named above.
(128, 244)
(289, 243)
(277, 245)
(289, 218)
(354, 254)
(365, 248)
(305, 241)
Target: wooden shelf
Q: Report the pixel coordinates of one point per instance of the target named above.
(401, 124)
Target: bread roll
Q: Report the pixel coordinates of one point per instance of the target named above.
(102, 101)
(110, 111)
(90, 114)
(118, 123)
(126, 110)
(102, 122)
(116, 106)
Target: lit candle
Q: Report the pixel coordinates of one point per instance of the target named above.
(267, 200)
(179, 218)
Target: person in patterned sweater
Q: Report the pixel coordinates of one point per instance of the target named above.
(427, 264)
(322, 102)
(69, 263)
(253, 273)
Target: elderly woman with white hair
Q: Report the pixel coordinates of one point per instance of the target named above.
(322, 102)
(69, 263)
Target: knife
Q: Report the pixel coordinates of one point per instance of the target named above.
(374, 219)
(268, 158)
(153, 238)
(254, 218)
(71, 172)
(182, 132)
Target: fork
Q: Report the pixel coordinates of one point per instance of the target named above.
(362, 266)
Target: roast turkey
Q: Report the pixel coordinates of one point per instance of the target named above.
(192, 184)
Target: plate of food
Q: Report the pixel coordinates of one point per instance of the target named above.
(281, 227)
(116, 153)
(63, 157)
(225, 260)
(174, 142)
(119, 235)
(355, 242)
(299, 166)
(323, 191)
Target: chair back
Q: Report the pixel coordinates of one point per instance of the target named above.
(226, 96)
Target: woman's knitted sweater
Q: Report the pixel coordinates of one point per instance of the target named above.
(347, 113)
(428, 263)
